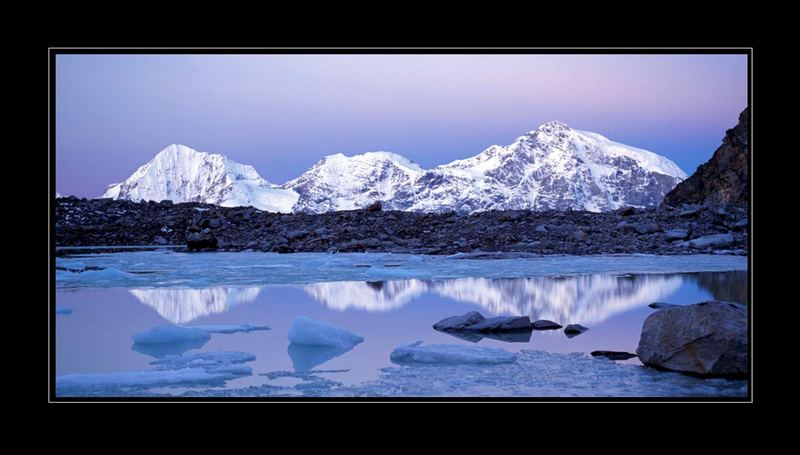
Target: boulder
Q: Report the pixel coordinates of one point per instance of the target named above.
(614, 355)
(374, 207)
(544, 324)
(711, 241)
(708, 339)
(197, 241)
(675, 234)
(645, 228)
(574, 330)
(502, 323)
(296, 235)
(459, 322)
(626, 211)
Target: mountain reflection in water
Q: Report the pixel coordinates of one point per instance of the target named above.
(586, 298)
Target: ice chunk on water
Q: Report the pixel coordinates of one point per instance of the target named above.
(63, 310)
(202, 369)
(228, 328)
(167, 334)
(450, 354)
(307, 331)
(169, 340)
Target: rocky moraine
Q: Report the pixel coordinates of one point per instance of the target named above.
(663, 230)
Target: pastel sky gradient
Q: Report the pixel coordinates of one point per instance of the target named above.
(282, 113)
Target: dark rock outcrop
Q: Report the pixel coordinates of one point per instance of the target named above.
(459, 322)
(573, 330)
(708, 339)
(614, 355)
(473, 322)
(723, 179)
(544, 324)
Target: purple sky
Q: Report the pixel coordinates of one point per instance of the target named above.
(282, 113)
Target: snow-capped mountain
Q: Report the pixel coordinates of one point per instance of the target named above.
(338, 182)
(552, 167)
(182, 174)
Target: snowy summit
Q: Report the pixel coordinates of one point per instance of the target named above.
(553, 167)
(182, 174)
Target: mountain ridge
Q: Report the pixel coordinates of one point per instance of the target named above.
(552, 167)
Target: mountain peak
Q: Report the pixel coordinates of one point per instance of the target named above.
(554, 127)
(183, 174)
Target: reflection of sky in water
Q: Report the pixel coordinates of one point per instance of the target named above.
(97, 336)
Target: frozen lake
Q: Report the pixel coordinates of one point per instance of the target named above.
(389, 300)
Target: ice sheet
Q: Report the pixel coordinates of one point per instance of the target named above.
(207, 369)
(167, 269)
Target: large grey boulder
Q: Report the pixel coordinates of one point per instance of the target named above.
(708, 338)
(459, 322)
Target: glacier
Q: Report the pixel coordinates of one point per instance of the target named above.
(553, 167)
(308, 332)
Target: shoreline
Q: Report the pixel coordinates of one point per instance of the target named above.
(103, 224)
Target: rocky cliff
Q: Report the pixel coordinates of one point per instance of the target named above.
(724, 178)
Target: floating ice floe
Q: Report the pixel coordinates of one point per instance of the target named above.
(450, 354)
(228, 328)
(63, 310)
(309, 332)
(168, 334)
(168, 340)
(207, 369)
